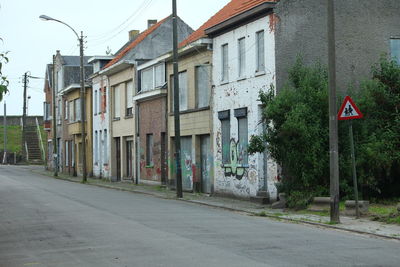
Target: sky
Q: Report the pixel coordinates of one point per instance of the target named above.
(31, 42)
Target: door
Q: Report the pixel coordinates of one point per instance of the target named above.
(118, 157)
(205, 161)
(163, 159)
(129, 159)
(186, 163)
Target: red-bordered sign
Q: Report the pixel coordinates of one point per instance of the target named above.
(349, 110)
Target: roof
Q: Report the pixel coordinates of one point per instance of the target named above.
(135, 42)
(233, 8)
(74, 60)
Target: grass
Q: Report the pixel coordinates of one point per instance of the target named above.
(14, 135)
(386, 213)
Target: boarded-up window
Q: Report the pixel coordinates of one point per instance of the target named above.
(96, 148)
(241, 57)
(129, 98)
(260, 54)
(202, 86)
(66, 143)
(225, 66)
(149, 149)
(395, 49)
(105, 147)
(241, 115)
(224, 117)
(117, 101)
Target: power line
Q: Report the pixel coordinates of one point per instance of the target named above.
(106, 36)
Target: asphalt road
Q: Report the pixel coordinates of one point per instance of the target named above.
(48, 222)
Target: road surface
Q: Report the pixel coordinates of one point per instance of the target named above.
(49, 222)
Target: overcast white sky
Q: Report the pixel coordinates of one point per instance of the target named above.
(32, 42)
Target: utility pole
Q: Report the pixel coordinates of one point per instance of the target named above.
(24, 117)
(179, 193)
(53, 85)
(82, 96)
(5, 133)
(333, 125)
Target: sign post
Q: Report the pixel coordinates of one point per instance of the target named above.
(349, 111)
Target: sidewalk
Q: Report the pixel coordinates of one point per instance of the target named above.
(361, 226)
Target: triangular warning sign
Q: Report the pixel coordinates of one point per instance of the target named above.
(349, 110)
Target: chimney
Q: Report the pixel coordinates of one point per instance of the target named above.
(133, 34)
(151, 22)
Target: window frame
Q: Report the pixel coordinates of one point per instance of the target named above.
(207, 88)
(224, 63)
(260, 59)
(242, 57)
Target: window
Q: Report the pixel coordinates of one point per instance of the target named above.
(224, 117)
(260, 51)
(66, 110)
(202, 85)
(100, 146)
(241, 116)
(241, 57)
(77, 109)
(159, 75)
(117, 102)
(95, 102)
(129, 98)
(183, 91)
(146, 80)
(96, 148)
(152, 77)
(47, 111)
(149, 149)
(71, 111)
(224, 71)
(395, 49)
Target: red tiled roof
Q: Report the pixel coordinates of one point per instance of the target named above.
(233, 8)
(139, 39)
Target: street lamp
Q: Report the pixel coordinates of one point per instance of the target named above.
(82, 93)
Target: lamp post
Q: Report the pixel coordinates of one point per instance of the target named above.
(82, 93)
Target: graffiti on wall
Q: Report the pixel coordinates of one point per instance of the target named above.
(235, 168)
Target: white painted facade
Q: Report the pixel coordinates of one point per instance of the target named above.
(237, 177)
(101, 133)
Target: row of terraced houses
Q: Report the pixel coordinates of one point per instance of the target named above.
(246, 47)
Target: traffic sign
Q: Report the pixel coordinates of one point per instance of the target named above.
(349, 110)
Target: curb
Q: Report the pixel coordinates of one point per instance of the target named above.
(322, 225)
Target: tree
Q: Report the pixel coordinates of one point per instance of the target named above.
(3, 79)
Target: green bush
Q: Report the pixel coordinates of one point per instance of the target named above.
(297, 134)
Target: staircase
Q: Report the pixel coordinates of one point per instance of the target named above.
(32, 140)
